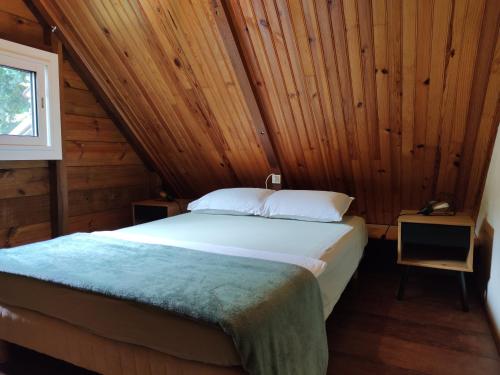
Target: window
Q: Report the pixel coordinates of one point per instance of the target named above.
(30, 124)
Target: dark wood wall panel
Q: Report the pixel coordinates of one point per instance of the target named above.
(19, 179)
(104, 173)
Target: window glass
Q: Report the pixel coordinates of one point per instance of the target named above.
(17, 102)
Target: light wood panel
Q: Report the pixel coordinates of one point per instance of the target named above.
(391, 89)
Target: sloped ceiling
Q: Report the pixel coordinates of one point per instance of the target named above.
(393, 102)
(166, 70)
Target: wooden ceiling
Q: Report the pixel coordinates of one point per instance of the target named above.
(394, 102)
(167, 72)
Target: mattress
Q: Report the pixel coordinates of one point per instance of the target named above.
(339, 245)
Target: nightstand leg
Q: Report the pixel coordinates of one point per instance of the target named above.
(402, 283)
(465, 303)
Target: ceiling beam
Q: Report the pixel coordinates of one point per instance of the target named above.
(228, 37)
(59, 216)
(58, 172)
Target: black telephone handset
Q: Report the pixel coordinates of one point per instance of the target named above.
(434, 206)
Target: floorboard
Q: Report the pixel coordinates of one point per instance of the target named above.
(371, 332)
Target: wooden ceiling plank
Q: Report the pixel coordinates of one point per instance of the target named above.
(195, 98)
(409, 41)
(323, 13)
(175, 115)
(379, 20)
(471, 41)
(253, 137)
(394, 27)
(440, 31)
(341, 50)
(296, 22)
(185, 45)
(284, 60)
(266, 86)
(425, 11)
(340, 42)
(278, 38)
(366, 30)
(358, 98)
(227, 106)
(450, 89)
(326, 128)
(486, 49)
(488, 127)
(233, 112)
(365, 21)
(144, 69)
(273, 74)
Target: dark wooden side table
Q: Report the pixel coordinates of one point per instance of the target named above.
(443, 242)
(155, 209)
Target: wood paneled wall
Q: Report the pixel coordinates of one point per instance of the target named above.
(394, 102)
(104, 173)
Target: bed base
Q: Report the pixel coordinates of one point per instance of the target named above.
(72, 344)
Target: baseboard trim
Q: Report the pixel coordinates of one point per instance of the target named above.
(493, 328)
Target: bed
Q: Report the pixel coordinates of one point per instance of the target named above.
(114, 336)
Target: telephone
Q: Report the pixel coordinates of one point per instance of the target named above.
(436, 208)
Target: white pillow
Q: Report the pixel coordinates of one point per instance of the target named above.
(237, 201)
(307, 205)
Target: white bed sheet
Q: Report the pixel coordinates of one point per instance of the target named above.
(332, 251)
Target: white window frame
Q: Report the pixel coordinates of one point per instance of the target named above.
(47, 144)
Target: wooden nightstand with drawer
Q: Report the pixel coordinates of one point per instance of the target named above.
(155, 209)
(443, 242)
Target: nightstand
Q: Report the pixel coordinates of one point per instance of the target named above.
(443, 242)
(155, 209)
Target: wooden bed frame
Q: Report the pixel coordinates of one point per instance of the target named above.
(75, 345)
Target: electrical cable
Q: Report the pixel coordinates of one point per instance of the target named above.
(383, 237)
(267, 179)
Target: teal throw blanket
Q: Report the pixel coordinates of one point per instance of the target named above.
(273, 311)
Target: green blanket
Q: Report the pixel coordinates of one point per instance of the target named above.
(273, 311)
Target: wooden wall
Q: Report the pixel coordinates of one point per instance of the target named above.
(394, 102)
(104, 174)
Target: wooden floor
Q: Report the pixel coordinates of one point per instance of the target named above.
(370, 332)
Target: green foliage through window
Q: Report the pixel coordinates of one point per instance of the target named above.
(16, 105)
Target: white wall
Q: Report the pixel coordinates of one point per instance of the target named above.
(489, 216)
